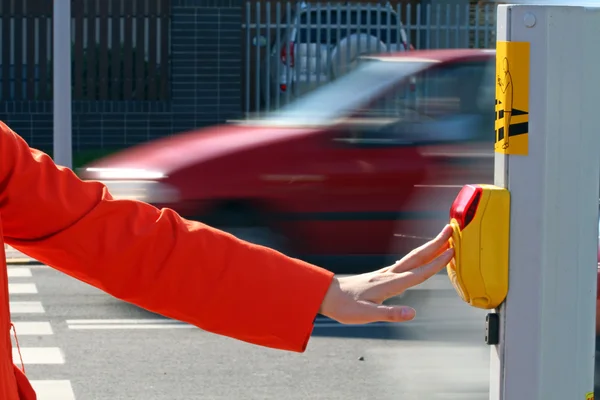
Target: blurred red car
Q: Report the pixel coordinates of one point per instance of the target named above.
(349, 176)
(353, 174)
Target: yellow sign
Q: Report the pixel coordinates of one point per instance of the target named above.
(512, 98)
(589, 396)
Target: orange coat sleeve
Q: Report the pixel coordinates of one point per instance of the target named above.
(154, 258)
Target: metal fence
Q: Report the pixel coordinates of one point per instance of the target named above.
(120, 49)
(292, 48)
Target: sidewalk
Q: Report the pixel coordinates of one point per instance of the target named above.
(16, 257)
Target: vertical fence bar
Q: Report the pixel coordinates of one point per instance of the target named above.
(103, 68)
(278, 32)
(409, 25)
(457, 26)
(467, 26)
(5, 10)
(140, 49)
(447, 26)
(398, 28)
(92, 77)
(30, 51)
(338, 37)
(356, 27)
(257, 59)
(288, 34)
(42, 39)
(78, 49)
(248, 54)
(379, 23)
(388, 28)
(438, 25)
(348, 12)
(294, 69)
(18, 16)
(332, 39)
(152, 49)
(418, 24)
(49, 39)
(428, 25)
(388, 16)
(477, 26)
(486, 32)
(299, 60)
(115, 50)
(165, 66)
(128, 50)
(267, 85)
(319, 42)
(368, 14)
(491, 18)
(328, 42)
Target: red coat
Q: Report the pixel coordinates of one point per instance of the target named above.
(153, 258)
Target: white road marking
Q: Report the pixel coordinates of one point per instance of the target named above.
(426, 323)
(122, 321)
(26, 307)
(33, 328)
(17, 272)
(38, 355)
(131, 326)
(22, 288)
(107, 324)
(45, 389)
(53, 390)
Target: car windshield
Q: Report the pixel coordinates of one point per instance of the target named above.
(346, 94)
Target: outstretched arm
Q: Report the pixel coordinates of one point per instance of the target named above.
(154, 258)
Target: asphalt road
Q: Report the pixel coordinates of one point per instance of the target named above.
(79, 343)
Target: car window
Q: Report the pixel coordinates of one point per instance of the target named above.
(438, 103)
(432, 94)
(342, 97)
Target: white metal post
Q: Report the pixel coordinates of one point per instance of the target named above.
(546, 348)
(61, 60)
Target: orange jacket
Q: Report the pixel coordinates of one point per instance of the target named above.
(153, 258)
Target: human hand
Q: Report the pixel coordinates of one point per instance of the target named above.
(357, 299)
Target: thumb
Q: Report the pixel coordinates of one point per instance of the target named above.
(382, 313)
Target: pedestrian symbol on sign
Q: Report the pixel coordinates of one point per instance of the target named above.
(512, 98)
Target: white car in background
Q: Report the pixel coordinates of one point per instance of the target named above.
(322, 43)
